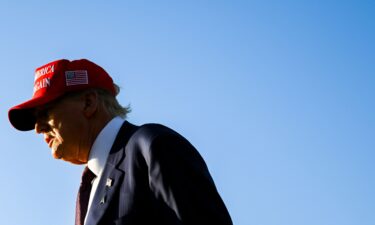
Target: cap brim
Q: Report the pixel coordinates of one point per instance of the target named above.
(22, 116)
(22, 119)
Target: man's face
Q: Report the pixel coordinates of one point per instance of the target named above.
(64, 127)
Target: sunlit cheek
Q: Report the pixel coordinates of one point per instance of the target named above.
(57, 132)
(59, 138)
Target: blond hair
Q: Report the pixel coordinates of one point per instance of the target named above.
(111, 104)
(108, 100)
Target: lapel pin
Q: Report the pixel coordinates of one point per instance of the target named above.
(102, 201)
(109, 182)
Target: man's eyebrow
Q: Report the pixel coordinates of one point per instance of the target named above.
(46, 107)
(43, 110)
(39, 112)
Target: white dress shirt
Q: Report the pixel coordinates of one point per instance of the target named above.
(100, 150)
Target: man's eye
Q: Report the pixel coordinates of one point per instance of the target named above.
(43, 113)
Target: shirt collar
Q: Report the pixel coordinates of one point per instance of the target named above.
(102, 145)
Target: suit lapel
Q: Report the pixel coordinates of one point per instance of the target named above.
(111, 177)
(108, 184)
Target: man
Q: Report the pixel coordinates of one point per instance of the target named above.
(135, 175)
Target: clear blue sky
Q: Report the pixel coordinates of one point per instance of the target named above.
(278, 96)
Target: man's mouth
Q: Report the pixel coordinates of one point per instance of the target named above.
(49, 141)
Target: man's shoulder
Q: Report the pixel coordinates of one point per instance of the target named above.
(144, 136)
(150, 131)
(142, 142)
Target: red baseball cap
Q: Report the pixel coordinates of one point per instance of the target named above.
(55, 79)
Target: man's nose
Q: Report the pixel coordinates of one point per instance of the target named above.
(41, 126)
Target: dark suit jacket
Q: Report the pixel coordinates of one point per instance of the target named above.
(155, 176)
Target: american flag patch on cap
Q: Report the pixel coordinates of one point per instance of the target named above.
(76, 77)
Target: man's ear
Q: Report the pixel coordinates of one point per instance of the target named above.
(90, 103)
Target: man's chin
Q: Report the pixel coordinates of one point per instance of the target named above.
(56, 154)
